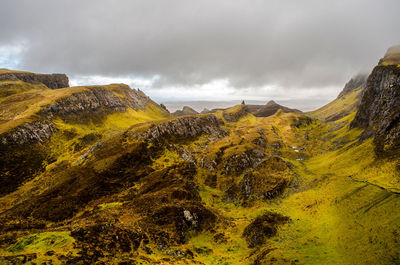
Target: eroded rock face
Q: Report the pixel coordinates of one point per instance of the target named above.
(380, 106)
(183, 128)
(233, 116)
(237, 163)
(266, 181)
(37, 131)
(96, 99)
(53, 81)
(136, 99)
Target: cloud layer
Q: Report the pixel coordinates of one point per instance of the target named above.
(290, 45)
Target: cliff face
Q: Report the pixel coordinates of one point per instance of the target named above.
(90, 102)
(183, 128)
(52, 81)
(379, 109)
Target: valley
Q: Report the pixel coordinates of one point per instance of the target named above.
(105, 175)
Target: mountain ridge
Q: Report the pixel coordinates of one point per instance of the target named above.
(103, 174)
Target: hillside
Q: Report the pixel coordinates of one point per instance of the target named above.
(346, 102)
(104, 175)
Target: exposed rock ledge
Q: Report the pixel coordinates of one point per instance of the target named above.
(37, 131)
(183, 128)
(53, 81)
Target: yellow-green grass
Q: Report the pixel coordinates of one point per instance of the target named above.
(344, 104)
(20, 108)
(58, 242)
(42, 242)
(109, 205)
(8, 71)
(12, 87)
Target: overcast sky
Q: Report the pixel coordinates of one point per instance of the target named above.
(202, 50)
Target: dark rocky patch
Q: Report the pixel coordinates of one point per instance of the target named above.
(19, 163)
(379, 109)
(262, 228)
(103, 240)
(183, 128)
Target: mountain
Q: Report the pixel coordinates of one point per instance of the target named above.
(346, 102)
(104, 175)
(269, 109)
(379, 110)
(260, 110)
(185, 111)
(36, 119)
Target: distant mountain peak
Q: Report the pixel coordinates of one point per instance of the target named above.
(186, 110)
(271, 103)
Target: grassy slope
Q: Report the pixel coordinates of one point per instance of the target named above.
(343, 105)
(72, 140)
(341, 213)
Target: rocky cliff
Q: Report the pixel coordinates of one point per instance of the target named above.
(52, 81)
(379, 110)
(183, 128)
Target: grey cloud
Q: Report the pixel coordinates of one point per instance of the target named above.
(296, 44)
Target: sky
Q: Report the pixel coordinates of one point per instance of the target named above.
(208, 50)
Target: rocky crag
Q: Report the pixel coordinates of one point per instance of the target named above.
(52, 81)
(379, 111)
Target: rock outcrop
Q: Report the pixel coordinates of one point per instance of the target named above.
(91, 101)
(52, 81)
(379, 110)
(262, 228)
(37, 131)
(183, 128)
(233, 114)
